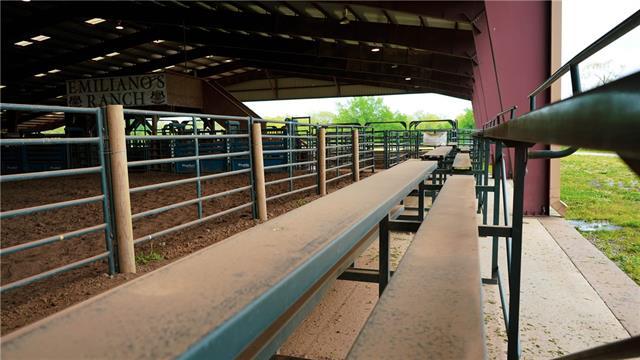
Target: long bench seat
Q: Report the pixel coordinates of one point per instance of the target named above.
(432, 307)
(462, 162)
(240, 297)
(438, 153)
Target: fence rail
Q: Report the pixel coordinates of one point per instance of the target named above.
(106, 226)
(203, 147)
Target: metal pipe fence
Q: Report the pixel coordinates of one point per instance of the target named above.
(292, 147)
(196, 147)
(102, 169)
(196, 151)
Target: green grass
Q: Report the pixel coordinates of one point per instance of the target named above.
(604, 188)
(144, 259)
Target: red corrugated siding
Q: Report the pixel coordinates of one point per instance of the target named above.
(520, 35)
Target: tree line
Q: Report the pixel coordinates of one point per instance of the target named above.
(364, 109)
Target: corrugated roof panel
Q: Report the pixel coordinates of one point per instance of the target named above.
(313, 12)
(256, 8)
(405, 18)
(439, 23)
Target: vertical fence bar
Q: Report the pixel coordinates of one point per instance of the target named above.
(198, 174)
(383, 238)
(513, 351)
(497, 179)
(258, 171)
(252, 193)
(120, 188)
(355, 154)
(322, 161)
(421, 201)
(104, 184)
(485, 161)
(290, 141)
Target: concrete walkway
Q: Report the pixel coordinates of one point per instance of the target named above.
(573, 298)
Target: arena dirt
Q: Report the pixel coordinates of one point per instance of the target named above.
(28, 304)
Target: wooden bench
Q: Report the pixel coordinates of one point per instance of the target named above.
(461, 163)
(241, 297)
(438, 153)
(432, 307)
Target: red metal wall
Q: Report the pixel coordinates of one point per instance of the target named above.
(513, 51)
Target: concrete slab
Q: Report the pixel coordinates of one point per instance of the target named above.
(617, 290)
(560, 312)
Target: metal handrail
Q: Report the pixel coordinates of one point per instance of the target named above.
(621, 29)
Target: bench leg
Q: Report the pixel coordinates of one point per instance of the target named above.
(383, 238)
(421, 201)
(513, 347)
(497, 179)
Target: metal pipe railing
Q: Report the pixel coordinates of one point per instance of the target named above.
(106, 226)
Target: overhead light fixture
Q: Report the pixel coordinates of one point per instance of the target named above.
(375, 49)
(407, 79)
(40, 75)
(113, 54)
(119, 26)
(95, 21)
(2, 86)
(169, 67)
(97, 58)
(41, 38)
(209, 56)
(394, 66)
(159, 41)
(53, 71)
(23, 43)
(157, 70)
(228, 60)
(59, 96)
(26, 0)
(345, 19)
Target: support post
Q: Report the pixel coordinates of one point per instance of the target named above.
(322, 161)
(421, 201)
(355, 154)
(513, 348)
(120, 189)
(383, 239)
(497, 179)
(196, 152)
(258, 172)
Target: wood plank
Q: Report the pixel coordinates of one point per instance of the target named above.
(225, 296)
(432, 307)
(462, 161)
(437, 153)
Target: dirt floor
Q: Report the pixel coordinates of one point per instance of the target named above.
(28, 304)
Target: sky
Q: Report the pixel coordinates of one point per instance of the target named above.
(583, 21)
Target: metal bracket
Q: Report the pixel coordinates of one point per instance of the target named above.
(494, 230)
(361, 275)
(404, 225)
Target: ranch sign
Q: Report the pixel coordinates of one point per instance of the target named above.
(134, 90)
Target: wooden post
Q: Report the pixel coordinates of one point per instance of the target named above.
(322, 161)
(355, 141)
(258, 172)
(120, 189)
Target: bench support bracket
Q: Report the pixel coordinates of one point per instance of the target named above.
(383, 238)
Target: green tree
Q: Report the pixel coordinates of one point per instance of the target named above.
(360, 110)
(323, 117)
(465, 120)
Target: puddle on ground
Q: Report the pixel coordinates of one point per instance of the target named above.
(600, 225)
